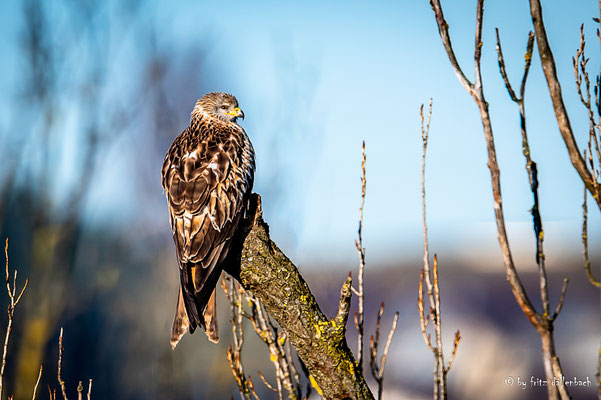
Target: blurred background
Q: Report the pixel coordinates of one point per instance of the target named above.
(94, 93)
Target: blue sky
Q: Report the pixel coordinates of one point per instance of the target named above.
(316, 78)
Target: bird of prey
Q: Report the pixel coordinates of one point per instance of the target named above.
(208, 176)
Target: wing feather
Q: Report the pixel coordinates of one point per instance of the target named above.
(207, 176)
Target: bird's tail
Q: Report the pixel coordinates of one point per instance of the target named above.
(181, 321)
(196, 308)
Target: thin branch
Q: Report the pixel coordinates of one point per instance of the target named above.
(430, 277)
(37, 382)
(10, 311)
(587, 262)
(423, 318)
(478, 45)
(361, 251)
(234, 358)
(528, 62)
(265, 382)
(252, 388)
(378, 367)
(60, 362)
(425, 131)
(90, 390)
(582, 79)
(562, 297)
(443, 30)
(438, 331)
(455, 346)
(388, 341)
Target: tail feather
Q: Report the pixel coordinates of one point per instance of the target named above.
(180, 322)
(197, 302)
(210, 317)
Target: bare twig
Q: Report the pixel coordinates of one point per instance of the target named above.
(377, 367)
(589, 274)
(89, 390)
(37, 382)
(430, 277)
(581, 74)
(361, 251)
(252, 388)
(60, 362)
(14, 300)
(587, 263)
(455, 346)
(562, 297)
(232, 291)
(265, 382)
(424, 319)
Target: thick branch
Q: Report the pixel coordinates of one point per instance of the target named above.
(563, 121)
(319, 342)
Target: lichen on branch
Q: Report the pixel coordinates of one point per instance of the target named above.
(276, 282)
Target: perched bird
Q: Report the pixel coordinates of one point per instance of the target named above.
(208, 176)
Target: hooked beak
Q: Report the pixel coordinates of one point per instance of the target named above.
(238, 113)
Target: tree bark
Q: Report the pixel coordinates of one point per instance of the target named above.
(320, 342)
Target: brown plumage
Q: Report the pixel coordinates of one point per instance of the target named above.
(207, 176)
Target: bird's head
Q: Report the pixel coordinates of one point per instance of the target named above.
(219, 105)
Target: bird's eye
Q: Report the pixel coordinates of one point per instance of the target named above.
(224, 107)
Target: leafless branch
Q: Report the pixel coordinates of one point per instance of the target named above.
(378, 367)
(581, 74)
(251, 386)
(234, 357)
(531, 169)
(551, 362)
(423, 318)
(542, 322)
(587, 262)
(443, 30)
(265, 382)
(361, 251)
(561, 114)
(37, 382)
(60, 362)
(455, 346)
(89, 390)
(14, 300)
(562, 297)
(430, 277)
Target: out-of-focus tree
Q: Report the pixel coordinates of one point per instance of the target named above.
(65, 59)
